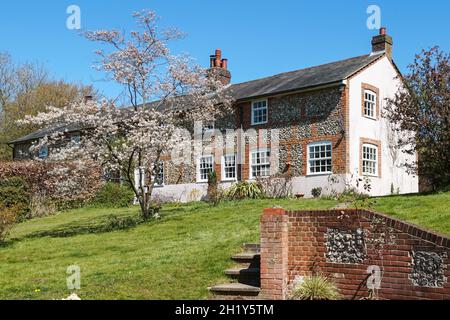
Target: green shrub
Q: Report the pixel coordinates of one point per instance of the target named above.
(245, 190)
(316, 192)
(113, 195)
(213, 194)
(14, 193)
(8, 217)
(115, 223)
(316, 288)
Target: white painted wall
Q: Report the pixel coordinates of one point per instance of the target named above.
(183, 193)
(381, 75)
(304, 185)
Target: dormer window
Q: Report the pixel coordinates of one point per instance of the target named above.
(260, 112)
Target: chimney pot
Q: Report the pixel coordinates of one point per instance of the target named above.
(218, 54)
(219, 68)
(383, 42)
(225, 64)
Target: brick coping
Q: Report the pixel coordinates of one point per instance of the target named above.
(404, 226)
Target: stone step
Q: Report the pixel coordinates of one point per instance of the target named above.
(235, 289)
(246, 257)
(252, 247)
(243, 272)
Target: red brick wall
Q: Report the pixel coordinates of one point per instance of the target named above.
(294, 245)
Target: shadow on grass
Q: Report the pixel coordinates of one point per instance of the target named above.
(93, 226)
(104, 224)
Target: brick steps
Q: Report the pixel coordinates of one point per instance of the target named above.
(247, 275)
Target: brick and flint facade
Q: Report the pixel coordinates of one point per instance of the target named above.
(325, 123)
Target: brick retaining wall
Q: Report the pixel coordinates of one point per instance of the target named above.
(343, 244)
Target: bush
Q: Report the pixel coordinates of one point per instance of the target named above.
(72, 182)
(245, 190)
(316, 192)
(316, 288)
(7, 220)
(14, 194)
(113, 195)
(213, 194)
(276, 187)
(115, 223)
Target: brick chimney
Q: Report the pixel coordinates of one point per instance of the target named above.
(382, 42)
(219, 68)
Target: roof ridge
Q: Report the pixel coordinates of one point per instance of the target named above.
(304, 69)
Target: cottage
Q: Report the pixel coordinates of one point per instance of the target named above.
(329, 128)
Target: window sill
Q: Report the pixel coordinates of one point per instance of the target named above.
(370, 175)
(370, 118)
(319, 174)
(259, 124)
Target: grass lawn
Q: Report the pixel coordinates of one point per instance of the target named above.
(177, 257)
(429, 211)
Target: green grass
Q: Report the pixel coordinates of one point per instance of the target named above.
(177, 257)
(430, 211)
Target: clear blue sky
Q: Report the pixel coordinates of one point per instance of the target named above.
(260, 38)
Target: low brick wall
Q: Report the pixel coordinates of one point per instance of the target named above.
(354, 248)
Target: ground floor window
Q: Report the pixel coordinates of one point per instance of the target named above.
(370, 160)
(320, 158)
(260, 164)
(229, 168)
(204, 168)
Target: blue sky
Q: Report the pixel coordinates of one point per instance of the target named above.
(260, 38)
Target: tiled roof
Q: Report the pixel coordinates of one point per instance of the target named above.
(281, 83)
(301, 79)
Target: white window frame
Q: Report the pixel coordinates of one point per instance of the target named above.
(326, 158)
(199, 174)
(373, 103)
(251, 165)
(375, 162)
(254, 123)
(224, 177)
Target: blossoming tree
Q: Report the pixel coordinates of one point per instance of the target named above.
(166, 93)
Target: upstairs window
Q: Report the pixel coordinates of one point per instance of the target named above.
(229, 168)
(260, 164)
(320, 158)
(205, 167)
(370, 104)
(260, 112)
(370, 160)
